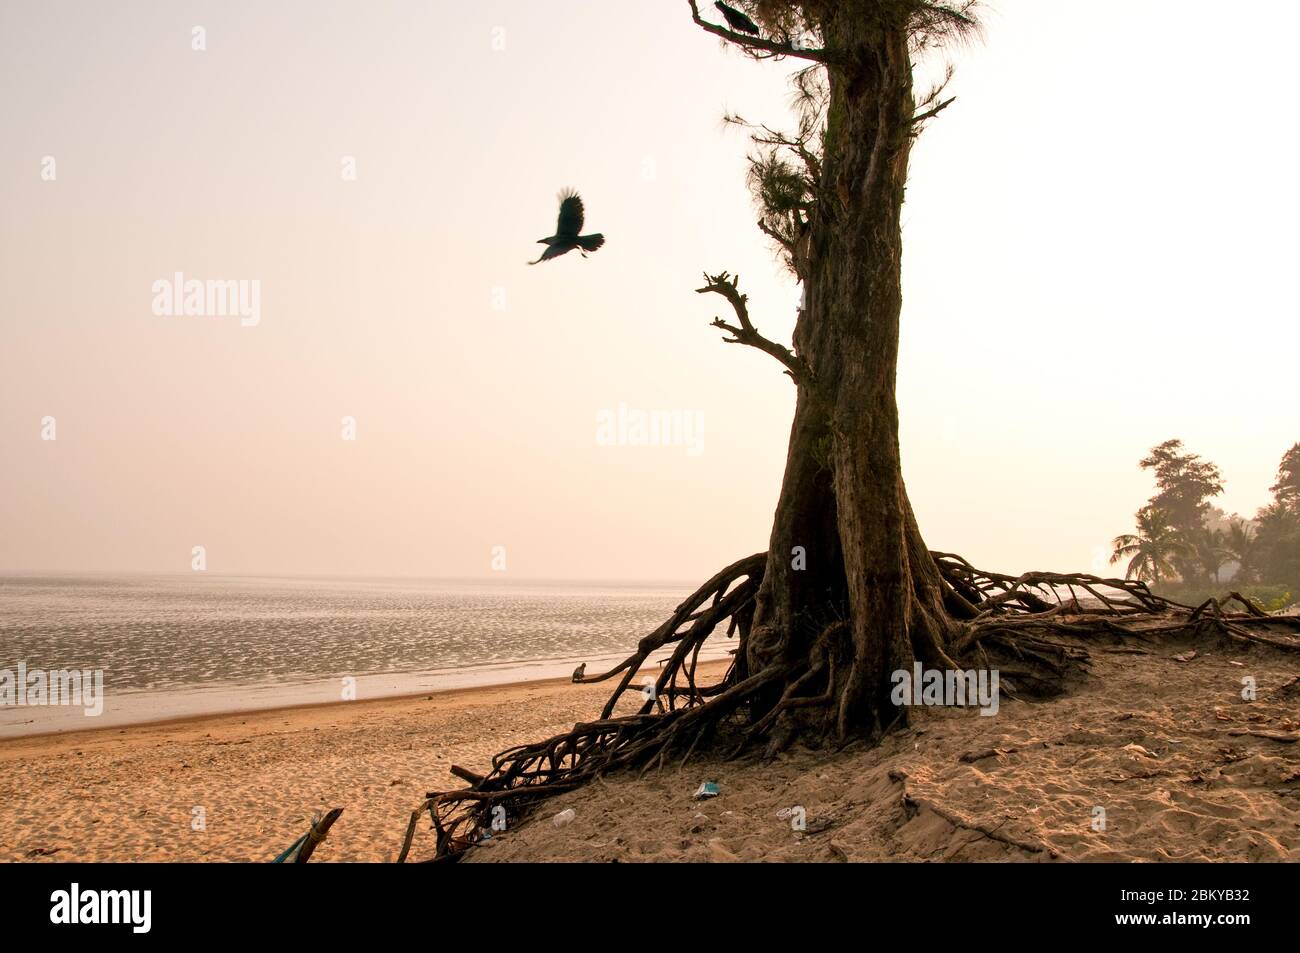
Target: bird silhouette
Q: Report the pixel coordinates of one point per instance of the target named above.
(737, 20)
(567, 227)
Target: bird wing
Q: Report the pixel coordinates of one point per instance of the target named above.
(553, 251)
(571, 215)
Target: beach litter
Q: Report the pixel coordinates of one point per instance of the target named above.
(564, 817)
(300, 851)
(706, 790)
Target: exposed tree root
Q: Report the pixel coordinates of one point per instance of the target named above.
(1034, 629)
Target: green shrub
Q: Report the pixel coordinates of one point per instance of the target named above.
(1268, 597)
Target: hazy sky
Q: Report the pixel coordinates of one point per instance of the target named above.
(1100, 254)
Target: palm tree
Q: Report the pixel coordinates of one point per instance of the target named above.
(1151, 550)
(1210, 551)
(1239, 543)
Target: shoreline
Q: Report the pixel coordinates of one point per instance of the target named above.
(170, 706)
(244, 714)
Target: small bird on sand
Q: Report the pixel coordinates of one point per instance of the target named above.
(737, 20)
(566, 237)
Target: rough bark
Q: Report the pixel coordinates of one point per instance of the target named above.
(843, 499)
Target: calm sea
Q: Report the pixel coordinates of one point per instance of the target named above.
(171, 645)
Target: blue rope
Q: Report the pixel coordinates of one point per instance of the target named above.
(292, 847)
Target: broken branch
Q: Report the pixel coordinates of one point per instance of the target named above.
(745, 332)
(757, 45)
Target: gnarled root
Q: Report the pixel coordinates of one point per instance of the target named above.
(1033, 628)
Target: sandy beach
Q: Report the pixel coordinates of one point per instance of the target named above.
(131, 793)
(1182, 767)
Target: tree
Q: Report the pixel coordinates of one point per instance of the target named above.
(1286, 491)
(847, 593)
(1277, 545)
(1239, 543)
(850, 592)
(1277, 541)
(1184, 485)
(1151, 550)
(1209, 550)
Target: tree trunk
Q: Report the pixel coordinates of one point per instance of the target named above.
(869, 600)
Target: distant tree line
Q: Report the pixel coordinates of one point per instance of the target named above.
(1185, 545)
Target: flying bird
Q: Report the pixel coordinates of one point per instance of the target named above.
(566, 237)
(737, 20)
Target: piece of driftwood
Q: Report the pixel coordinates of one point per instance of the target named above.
(302, 849)
(410, 833)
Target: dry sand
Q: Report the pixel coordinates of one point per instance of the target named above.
(1155, 742)
(121, 794)
(1150, 739)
